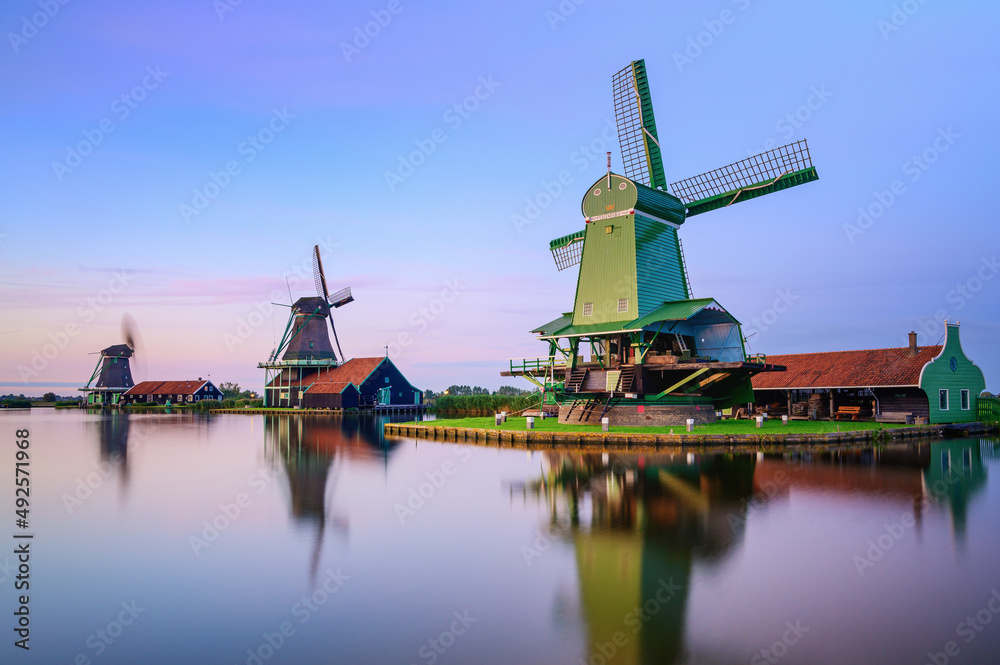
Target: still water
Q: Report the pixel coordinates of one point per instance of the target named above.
(312, 539)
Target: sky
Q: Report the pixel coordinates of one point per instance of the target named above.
(176, 162)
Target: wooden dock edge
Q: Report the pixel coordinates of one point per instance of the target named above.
(541, 439)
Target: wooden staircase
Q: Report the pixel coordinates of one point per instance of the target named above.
(626, 382)
(575, 380)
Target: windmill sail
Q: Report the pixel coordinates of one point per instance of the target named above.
(768, 172)
(567, 250)
(321, 291)
(637, 127)
(341, 297)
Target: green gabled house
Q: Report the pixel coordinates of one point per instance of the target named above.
(952, 382)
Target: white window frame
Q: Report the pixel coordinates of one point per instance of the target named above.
(943, 392)
(966, 402)
(588, 309)
(622, 305)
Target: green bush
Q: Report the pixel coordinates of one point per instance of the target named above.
(485, 403)
(17, 403)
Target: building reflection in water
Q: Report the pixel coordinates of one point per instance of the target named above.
(312, 451)
(640, 524)
(113, 440)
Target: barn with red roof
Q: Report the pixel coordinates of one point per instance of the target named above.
(174, 392)
(357, 383)
(935, 384)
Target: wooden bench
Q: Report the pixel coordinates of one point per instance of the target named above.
(894, 417)
(844, 411)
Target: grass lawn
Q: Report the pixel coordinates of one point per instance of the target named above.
(721, 427)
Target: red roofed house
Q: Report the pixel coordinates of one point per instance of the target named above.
(938, 383)
(359, 382)
(331, 395)
(175, 392)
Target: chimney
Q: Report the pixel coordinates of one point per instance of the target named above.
(913, 344)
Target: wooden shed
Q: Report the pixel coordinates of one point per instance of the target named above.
(331, 395)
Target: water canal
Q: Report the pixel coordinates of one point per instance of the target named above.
(307, 539)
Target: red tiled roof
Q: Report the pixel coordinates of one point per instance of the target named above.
(846, 369)
(166, 388)
(328, 388)
(355, 371)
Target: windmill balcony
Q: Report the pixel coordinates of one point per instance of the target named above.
(306, 362)
(541, 365)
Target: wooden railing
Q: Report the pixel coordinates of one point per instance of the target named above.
(988, 409)
(538, 365)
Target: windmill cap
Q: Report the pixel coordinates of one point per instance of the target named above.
(118, 350)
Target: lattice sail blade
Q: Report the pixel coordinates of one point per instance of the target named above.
(636, 126)
(318, 275)
(768, 172)
(567, 250)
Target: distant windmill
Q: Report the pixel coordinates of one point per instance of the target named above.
(305, 348)
(657, 355)
(113, 374)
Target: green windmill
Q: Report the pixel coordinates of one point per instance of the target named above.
(656, 355)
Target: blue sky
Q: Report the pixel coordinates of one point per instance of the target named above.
(117, 115)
